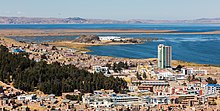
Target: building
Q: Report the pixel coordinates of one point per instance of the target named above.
(165, 75)
(191, 71)
(164, 56)
(187, 71)
(162, 99)
(27, 97)
(198, 72)
(102, 38)
(157, 85)
(97, 101)
(99, 69)
(212, 89)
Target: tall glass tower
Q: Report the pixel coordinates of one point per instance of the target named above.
(164, 56)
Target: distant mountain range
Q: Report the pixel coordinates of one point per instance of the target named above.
(78, 20)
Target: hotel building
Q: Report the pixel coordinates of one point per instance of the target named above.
(164, 56)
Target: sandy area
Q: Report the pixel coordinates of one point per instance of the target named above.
(9, 41)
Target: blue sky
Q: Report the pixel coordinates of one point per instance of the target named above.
(113, 9)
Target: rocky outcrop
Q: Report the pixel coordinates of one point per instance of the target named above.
(87, 39)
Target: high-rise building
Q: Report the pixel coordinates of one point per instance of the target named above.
(164, 56)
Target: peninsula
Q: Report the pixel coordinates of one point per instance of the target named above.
(84, 41)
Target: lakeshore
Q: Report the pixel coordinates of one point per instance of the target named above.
(187, 41)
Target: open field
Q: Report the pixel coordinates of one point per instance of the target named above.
(70, 32)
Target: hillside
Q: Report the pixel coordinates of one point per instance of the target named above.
(78, 20)
(28, 75)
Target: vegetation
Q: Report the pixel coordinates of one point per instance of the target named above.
(178, 68)
(138, 76)
(191, 78)
(53, 78)
(117, 67)
(211, 81)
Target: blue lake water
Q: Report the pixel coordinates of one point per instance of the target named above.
(41, 39)
(187, 47)
(177, 27)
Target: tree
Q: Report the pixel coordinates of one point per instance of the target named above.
(54, 48)
(138, 76)
(144, 75)
(43, 56)
(211, 81)
(179, 67)
(108, 65)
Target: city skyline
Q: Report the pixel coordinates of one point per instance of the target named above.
(119, 10)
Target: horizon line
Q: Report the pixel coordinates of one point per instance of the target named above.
(110, 18)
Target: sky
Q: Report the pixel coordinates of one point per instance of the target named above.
(113, 9)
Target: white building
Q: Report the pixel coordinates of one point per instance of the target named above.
(97, 101)
(99, 69)
(165, 75)
(27, 97)
(109, 100)
(191, 71)
(212, 89)
(126, 100)
(109, 38)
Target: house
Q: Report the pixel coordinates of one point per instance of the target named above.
(194, 87)
(162, 99)
(125, 99)
(178, 90)
(99, 69)
(96, 100)
(191, 71)
(187, 71)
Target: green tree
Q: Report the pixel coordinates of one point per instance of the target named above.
(211, 81)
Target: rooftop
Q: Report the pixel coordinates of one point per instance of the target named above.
(214, 85)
